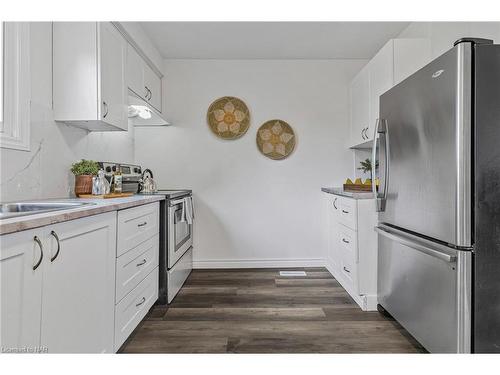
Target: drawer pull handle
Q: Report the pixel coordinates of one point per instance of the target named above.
(344, 211)
(140, 303)
(142, 224)
(141, 263)
(334, 205)
(37, 240)
(344, 240)
(346, 270)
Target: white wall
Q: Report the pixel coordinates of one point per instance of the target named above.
(44, 171)
(444, 34)
(250, 210)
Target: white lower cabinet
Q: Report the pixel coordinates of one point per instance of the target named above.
(137, 267)
(352, 247)
(21, 291)
(58, 286)
(134, 306)
(78, 286)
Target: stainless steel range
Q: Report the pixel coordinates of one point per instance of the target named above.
(176, 242)
(176, 229)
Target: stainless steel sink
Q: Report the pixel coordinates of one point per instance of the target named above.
(9, 210)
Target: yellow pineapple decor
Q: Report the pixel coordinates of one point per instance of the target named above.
(228, 117)
(359, 185)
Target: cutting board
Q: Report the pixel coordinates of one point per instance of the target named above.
(106, 196)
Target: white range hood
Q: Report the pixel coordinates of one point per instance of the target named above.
(141, 113)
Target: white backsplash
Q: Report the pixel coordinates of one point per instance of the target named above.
(43, 172)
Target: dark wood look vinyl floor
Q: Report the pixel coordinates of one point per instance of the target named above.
(257, 311)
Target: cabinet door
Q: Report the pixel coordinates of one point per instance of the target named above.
(381, 69)
(135, 72)
(332, 230)
(360, 107)
(112, 51)
(409, 56)
(153, 85)
(21, 290)
(79, 284)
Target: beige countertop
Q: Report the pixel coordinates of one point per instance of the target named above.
(20, 223)
(349, 194)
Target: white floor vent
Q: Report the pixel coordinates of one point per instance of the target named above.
(292, 273)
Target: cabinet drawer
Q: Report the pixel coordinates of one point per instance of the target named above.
(347, 239)
(348, 213)
(134, 307)
(348, 271)
(133, 266)
(135, 225)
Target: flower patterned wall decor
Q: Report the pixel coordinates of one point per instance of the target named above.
(228, 117)
(276, 139)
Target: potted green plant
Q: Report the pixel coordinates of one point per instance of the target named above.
(366, 166)
(84, 170)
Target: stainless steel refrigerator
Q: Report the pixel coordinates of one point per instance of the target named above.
(438, 146)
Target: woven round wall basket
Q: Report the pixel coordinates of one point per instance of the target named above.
(276, 139)
(228, 117)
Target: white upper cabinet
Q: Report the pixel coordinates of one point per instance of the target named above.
(152, 83)
(360, 106)
(409, 56)
(381, 69)
(135, 72)
(89, 75)
(142, 79)
(397, 60)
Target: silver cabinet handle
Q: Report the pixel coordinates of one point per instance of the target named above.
(141, 263)
(346, 270)
(334, 205)
(149, 94)
(54, 234)
(142, 224)
(420, 244)
(345, 241)
(37, 240)
(105, 105)
(140, 303)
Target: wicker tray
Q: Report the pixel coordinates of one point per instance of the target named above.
(358, 188)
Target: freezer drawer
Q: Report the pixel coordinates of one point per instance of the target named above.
(425, 286)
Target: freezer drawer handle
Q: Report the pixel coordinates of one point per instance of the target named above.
(426, 249)
(140, 303)
(344, 211)
(344, 240)
(346, 270)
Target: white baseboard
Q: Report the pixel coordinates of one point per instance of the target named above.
(253, 263)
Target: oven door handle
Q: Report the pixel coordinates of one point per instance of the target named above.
(176, 202)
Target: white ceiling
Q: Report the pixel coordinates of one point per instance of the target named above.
(271, 40)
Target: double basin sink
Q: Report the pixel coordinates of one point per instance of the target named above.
(16, 209)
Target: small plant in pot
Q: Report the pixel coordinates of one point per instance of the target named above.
(84, 170)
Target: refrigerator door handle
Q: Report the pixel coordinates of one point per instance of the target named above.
(381, 129)
(420, 244)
